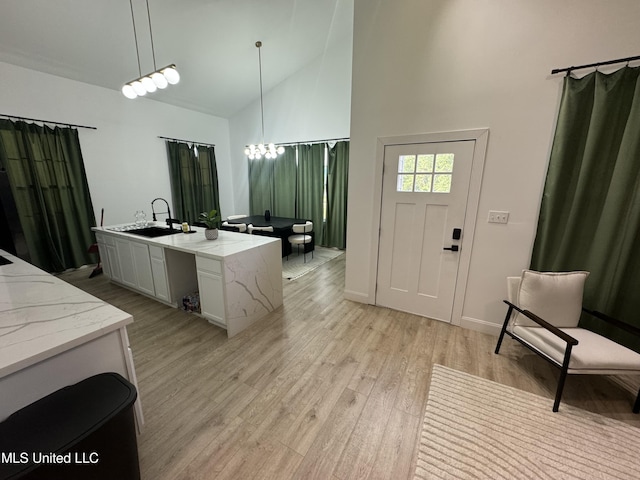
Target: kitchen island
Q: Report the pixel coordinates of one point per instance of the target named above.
(238, 277)
(53, 334)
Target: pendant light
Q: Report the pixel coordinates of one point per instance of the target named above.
(158, 79)
(262, 150)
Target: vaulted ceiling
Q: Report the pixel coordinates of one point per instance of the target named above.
(212, 43)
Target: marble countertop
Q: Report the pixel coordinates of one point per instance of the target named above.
(227, 243)
(42, 316)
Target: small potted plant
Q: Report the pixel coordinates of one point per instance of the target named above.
(212, 221)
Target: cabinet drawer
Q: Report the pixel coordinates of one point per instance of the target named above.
(209, 265)
(156, 252)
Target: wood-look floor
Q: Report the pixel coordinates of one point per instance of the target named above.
(322, 388)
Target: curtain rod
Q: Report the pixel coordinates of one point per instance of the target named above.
(608, 62)
(188, 141)
(46, 121)
(314, 141)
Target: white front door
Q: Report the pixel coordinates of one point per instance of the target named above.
(424, 199)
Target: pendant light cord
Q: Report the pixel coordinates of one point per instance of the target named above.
(135, 37)
(259, 45)
(153, 52)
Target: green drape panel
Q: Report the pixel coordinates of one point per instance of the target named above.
(49, 184)
(260, 185)
(210, 193)
(337, 181)
(194, 180)
(311, 186)
(590, 212)
(285, 184)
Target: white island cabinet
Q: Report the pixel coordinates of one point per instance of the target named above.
(53, 334)
(238, 276)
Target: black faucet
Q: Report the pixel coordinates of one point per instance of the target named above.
(168, 212)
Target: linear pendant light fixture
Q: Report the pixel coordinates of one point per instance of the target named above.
(159, 78)
(258, 151)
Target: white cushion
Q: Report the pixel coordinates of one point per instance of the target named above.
(594, 353)
(299, 239)
(241, 227)
(252, 229)
(556, 297)
(302, 227)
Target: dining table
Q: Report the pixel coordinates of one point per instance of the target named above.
(282, 228)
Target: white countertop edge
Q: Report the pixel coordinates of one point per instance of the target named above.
(227, 244)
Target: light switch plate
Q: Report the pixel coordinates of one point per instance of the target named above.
(498, 217)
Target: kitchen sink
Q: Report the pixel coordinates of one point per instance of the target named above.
(154, 231)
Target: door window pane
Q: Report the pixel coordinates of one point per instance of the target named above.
(425, 173)
(423, 183)
(407, 164)
(442, 183)
(444, 163)
(405, 183)
(425, 164)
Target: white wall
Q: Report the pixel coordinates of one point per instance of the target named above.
(125, 161)
(312, 104)
(440, 65)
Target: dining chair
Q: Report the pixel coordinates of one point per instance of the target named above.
(302, 235)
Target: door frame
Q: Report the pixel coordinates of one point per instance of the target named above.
(481, 137)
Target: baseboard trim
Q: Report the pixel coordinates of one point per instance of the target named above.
(356, 296)
(481, 325)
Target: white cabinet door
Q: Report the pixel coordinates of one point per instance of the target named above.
(211, 296)
(159, 273)
(114, 266)
(142, 263)
(211, 288)
(125, 260)
(102, 252)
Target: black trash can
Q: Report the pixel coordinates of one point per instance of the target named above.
(83, 431)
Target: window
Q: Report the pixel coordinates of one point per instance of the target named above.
(425, 173)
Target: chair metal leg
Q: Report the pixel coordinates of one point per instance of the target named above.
(504, 329)
(563, 377)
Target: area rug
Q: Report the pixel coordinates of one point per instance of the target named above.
(295, 266)
(476, 428)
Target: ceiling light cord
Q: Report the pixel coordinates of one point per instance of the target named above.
(158, 79)
(258, 151)
(135, 37)
(259, 45)
(153, 52)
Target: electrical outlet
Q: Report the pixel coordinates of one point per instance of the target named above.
(498, 217)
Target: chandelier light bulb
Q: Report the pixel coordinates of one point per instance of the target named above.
(148, 84)
(139, 88)
(171, 74)
(280, 150)
(159, 80)
(128, 91)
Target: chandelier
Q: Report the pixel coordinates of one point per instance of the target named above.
(262, 150)
(158, 79)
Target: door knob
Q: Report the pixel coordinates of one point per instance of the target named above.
(453, 248)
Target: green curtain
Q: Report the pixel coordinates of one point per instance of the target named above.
(311, 186)
(590, 212)
(49, 184)
(285, 184)
(337, 182)
(194, 180)
(261, 185)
